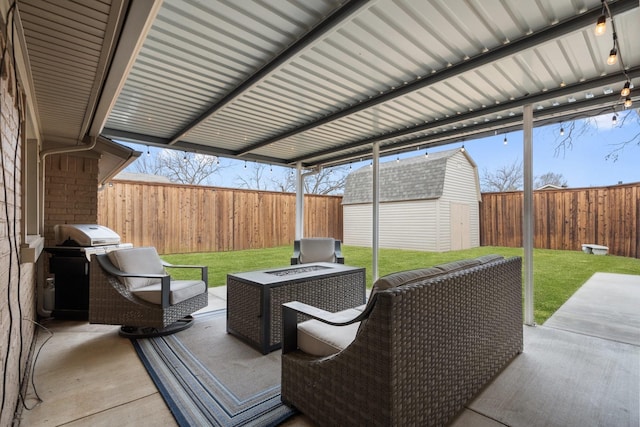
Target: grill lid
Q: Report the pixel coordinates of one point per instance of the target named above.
(85, 235)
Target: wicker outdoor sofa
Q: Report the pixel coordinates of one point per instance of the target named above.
(427, 342)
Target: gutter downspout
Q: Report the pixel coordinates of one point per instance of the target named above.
(64, 150)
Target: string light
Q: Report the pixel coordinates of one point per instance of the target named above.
(626, 89)
(613, 57)
(601, 24)
(148, 152)
(615, 54)
(245, 164)
(561, 131)
(398, 159)
(184, 159)
(462, 148)
(426, 154)
(614, 119)
(505, 142)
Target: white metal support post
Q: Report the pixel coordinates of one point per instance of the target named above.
(375, 241)
(527, 220)
(299, 202)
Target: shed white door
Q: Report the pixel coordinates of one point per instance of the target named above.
(460, 229)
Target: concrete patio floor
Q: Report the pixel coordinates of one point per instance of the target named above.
(581, 368)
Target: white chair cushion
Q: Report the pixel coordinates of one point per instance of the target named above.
(180, 290)
(320, 339)
(318, 249)
(142, 260)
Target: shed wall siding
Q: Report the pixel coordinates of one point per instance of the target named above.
(403, 225)
(460, 187)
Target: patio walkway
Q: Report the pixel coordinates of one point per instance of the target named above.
(581, 368)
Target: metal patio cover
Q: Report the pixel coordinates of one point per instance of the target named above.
(320, 81)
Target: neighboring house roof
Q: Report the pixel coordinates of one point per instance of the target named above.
(146, 177)
(551, 187)
(415, 178)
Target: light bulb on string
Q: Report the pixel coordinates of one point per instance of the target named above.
(148, 152)
(614, 119)
(561, 131)
(628, 102)
(601, 25)
(626, 89)
(505, 142)
(613, 56)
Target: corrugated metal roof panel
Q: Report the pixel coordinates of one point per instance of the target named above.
(67, 54)
(320, 81)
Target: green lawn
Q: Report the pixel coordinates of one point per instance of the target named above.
(557, 274)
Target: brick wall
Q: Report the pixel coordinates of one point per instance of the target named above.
(17, 281)
(71, 192)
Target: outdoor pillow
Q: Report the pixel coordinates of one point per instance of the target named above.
(142, 260)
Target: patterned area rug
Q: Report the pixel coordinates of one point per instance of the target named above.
(209, 378)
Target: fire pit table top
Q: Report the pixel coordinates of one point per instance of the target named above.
(274, 276)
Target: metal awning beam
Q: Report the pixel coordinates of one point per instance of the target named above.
(507, 124)
(515, 104)
(348, 9)
(550, 33)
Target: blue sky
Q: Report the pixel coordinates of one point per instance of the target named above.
(582, 165)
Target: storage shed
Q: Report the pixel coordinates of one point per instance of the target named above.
(427, 203)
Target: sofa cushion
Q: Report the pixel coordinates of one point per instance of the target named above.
(317, 249)
(454, 266)
(489, 258)
(181, 290)
(142, 260)
(320, 339)
(400, 278)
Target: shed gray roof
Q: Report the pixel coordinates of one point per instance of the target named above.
(415, 178)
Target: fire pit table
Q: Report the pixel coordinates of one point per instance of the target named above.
(254, 298)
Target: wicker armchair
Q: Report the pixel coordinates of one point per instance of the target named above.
(131, 287)
(424, 347)
(317, 249)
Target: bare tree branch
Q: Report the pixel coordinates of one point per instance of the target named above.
(254, 176)
(576, 129)
(550, 178)
(506, 178)
(184, 168)
(326, 181)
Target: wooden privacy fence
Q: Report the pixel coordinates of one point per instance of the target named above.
(564, 219)
(184, 218)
